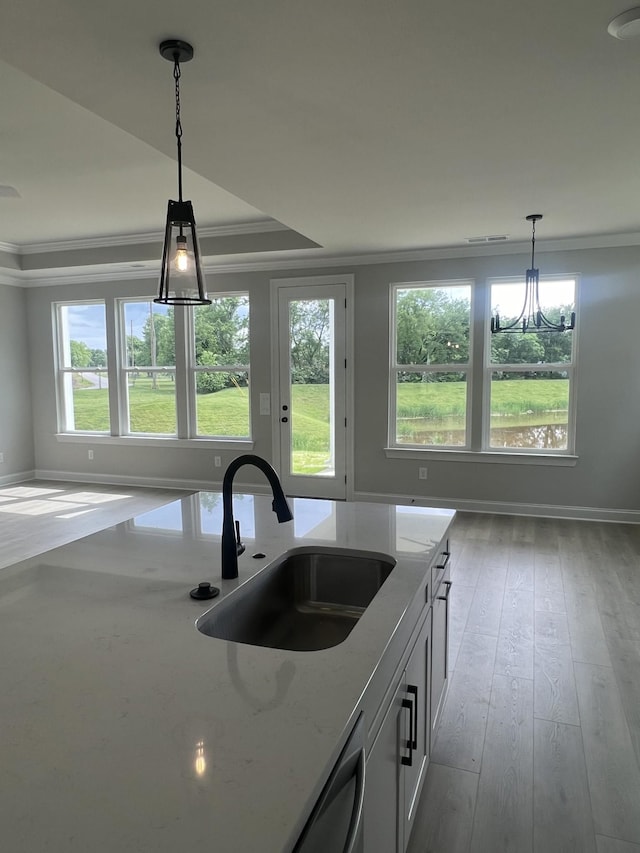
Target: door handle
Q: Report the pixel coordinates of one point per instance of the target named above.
(284, 420)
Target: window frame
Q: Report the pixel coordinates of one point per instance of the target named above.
(117, 370)
(490, 367)
(64, 400)
(477, 448)
(192, 369)
(395, 368)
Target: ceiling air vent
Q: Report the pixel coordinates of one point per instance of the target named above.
(490, 238)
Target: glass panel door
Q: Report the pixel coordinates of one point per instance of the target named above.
(312, 390)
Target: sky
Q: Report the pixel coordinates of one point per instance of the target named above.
(87, 322)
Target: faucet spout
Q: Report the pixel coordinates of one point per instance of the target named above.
(279, 506)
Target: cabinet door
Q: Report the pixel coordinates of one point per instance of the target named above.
(439, 653)
(417, 723)
(383, 782)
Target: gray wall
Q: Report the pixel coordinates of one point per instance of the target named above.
(16, 440)
(608, 413)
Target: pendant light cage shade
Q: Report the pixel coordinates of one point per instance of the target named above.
(181, 278)
(531, 317)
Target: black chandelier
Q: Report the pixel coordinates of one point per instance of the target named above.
(181, 278)
(531, 317)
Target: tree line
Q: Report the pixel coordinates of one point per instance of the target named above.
(432, 329)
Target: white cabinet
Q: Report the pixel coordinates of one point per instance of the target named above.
(397, 762)
(382, 786)
(416, 720)
(439, 652)
(398, 758)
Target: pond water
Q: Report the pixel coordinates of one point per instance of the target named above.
(521, 432)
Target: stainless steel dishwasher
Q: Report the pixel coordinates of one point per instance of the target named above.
(335, 824)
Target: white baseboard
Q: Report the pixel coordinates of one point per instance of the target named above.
(20, 477)
(149, 482)
(580, 513)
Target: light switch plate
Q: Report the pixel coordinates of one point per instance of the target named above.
(265, 404)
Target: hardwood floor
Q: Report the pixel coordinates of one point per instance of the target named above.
(538, 750)
(38, 515)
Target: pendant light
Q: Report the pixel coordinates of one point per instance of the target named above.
(181, 278)
(532, 318)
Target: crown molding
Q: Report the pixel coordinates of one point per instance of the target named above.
(308, 259)
(259, 227)
(10, 248)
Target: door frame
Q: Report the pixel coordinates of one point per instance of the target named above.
(276, 284)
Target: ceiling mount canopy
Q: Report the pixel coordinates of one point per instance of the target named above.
(181, 277)
(626, 25)
(531, 317)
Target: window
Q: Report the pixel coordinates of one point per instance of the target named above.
(149, 368)
(220, 367)
(517, 397)
(180, 373)
(430, 364)
(530, 376)
(83, 396)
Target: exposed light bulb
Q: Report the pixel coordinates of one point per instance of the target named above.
(182, 256)
(200, 763)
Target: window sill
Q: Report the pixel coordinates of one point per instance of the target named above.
(493, 456)
(155, 440)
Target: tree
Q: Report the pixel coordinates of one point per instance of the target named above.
(98, 358)
(432, 328)
(222, 332)
(80, 354)
(309, 332)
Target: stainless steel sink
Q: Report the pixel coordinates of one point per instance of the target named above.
(304, 601)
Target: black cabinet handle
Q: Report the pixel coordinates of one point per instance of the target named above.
(408, 760)
(413, 689)
(445, 597)
(446, 555)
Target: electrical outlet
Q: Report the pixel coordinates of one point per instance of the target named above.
(217, 461)
(422, 473)
(90, 454)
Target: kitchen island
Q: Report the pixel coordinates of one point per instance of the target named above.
(125, 729)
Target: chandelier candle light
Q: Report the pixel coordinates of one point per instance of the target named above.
(181, 278)
(532, 318)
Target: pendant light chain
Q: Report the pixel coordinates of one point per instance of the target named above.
(176, 76)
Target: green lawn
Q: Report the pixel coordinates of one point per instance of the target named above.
(226, 412)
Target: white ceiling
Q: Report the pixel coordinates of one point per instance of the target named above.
(365, 125)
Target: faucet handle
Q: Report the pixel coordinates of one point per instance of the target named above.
(240, 549)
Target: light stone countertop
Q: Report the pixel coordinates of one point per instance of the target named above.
(123, 729)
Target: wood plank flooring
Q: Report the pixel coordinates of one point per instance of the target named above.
(38, 515)
(538, 750)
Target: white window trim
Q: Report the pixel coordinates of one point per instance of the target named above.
(466, 368)
(64, 400)
(568, 368)
(480, 316)
(192, 369)
(184, 372)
